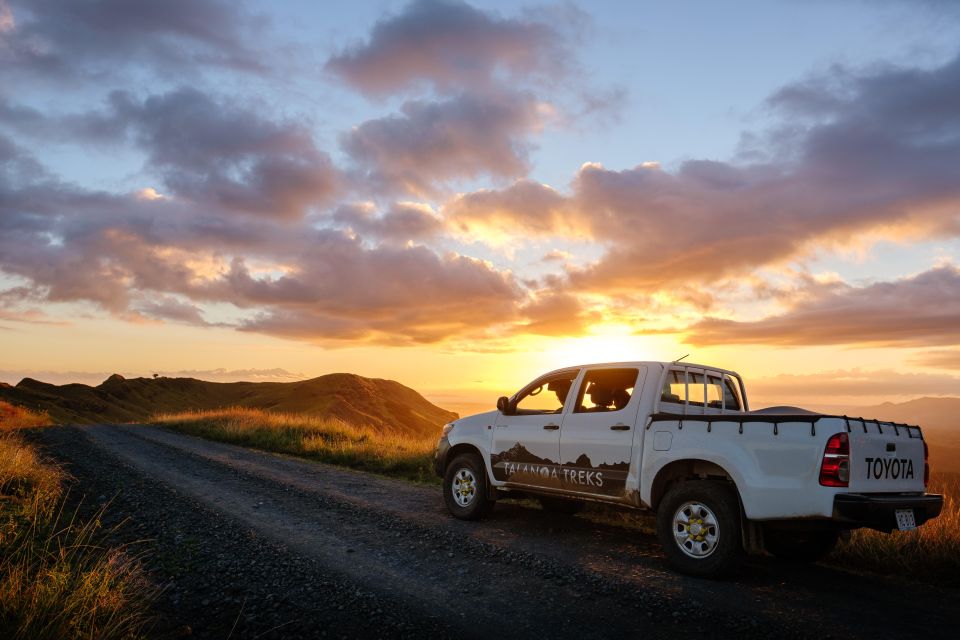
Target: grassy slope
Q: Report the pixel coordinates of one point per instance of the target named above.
(383, 405)
(55, 581)
(324, 439)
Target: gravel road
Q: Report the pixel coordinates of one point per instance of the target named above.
(246, 544)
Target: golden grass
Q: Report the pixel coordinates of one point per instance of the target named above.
(931, 553)
(55, 579)
(14, 417)
(325, 439)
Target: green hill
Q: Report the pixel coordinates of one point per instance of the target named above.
(384, 405)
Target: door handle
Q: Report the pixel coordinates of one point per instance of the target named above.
(620, 427)
(551, 427)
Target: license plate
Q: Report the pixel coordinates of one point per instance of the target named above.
(905, 520)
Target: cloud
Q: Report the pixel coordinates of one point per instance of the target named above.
(275, 374)
(858, 152)
(403, 222)
(166, 258)
(922, 310)
(431, 143)
(450, 46)
(555, 314)
(525, 207)
(171, 309)
(401, 295)
(941, 359)
(67, 39)
(217, 152)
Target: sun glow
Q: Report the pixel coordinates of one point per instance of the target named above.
(609, 343)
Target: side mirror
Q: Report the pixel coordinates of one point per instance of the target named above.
(503, 405)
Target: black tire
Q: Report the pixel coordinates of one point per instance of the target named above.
(560, 505)
(469, 474)
(799, 547)
(715, 548)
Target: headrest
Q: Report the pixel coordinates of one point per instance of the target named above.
(621, 398)
(601, 396)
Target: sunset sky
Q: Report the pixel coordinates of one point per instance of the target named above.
(461, 196)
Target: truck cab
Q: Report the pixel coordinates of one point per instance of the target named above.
(680, 440)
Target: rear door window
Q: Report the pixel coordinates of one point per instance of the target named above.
(606, 390)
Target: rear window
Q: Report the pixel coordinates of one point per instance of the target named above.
(719, 392)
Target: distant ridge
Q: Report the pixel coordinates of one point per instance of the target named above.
(385, 405)
(939, 418)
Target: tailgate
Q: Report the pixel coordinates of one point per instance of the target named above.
(885, 458)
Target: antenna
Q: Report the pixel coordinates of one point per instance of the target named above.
(680, 358)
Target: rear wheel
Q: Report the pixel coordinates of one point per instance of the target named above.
(465, 487)
(559, 505)
(800, 546)
(698, 524)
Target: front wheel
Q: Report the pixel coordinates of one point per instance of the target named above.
(698, 524)
(465, 487)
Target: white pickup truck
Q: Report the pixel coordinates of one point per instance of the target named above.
(679, 440)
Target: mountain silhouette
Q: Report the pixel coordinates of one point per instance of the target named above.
(384, 405)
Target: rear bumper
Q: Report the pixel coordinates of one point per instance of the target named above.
(877, 511)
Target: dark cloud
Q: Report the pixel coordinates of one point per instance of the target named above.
(431, 143)
(172, 309)
(404, 221)
(923, 310)
(451, 46)
(215, 151)
(220, 152)
(68, 39)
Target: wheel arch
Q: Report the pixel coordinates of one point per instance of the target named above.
(687, 469)
(460, 449)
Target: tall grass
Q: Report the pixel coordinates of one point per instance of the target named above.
(931, 553)
(56, 581)
(325, 439)
(14, 417)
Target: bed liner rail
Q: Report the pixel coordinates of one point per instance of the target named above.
(913, 431)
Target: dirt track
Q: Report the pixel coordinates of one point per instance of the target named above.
(276, 547)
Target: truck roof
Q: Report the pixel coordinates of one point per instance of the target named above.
(636, 363)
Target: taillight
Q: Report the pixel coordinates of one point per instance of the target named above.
(926, 464)
(835, 468)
